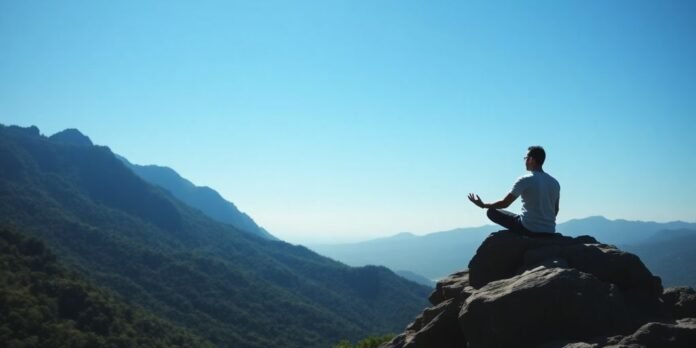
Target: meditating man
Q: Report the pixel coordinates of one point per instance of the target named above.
(540, 197)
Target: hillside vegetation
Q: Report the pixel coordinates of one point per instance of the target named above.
(44, 305)
(225, 285)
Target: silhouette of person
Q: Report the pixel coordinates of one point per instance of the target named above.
(540, 198)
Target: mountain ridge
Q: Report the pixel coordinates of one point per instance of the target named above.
(203, 198)
(223, 284)
(71, 136)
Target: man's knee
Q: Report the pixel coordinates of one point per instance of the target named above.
(491, 213)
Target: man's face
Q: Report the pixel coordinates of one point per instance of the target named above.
(529, 162)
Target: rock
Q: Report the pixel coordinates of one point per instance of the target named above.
(681, 302)
(504, 254)
(454, 286)
(605, 262)
(681, 334)
(435, 327)
(501, 255)
(551, 292)
(542, 305)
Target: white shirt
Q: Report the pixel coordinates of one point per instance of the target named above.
(539, 192)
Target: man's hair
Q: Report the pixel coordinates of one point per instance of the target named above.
(538, 154)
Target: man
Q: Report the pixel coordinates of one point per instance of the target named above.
(540, 197)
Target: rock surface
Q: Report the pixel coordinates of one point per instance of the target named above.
(556, 291)
(682, 302)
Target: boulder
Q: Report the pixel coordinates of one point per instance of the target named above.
(681, 302)
(502, 254)
(542, 305)
(435, 327)
(605, 262)
(455, 286)
(681, 334)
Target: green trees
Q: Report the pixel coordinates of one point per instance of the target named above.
(370, 342)
(43, 305)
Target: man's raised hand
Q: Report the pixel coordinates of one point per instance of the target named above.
(476, 200)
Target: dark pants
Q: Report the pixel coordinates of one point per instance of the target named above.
(512, 222)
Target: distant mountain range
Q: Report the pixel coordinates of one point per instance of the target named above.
(211, 280)
(671, 254)
(439, 254)
(432, 256)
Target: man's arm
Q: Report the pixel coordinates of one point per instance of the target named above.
(501, 204)
(557, 202)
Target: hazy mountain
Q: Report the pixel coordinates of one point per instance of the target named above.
(205, 199)
(671, 254)
(225, 285)
(450, 251)
(619, 232)
(445, 252)
(416, 278)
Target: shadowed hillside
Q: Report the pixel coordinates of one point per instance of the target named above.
(225, 285)
(205, 199)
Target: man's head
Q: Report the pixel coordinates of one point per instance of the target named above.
(535, 157)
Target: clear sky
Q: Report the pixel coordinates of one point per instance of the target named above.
(330, 121)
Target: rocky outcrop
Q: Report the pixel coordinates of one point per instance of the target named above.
(681, 301)
(556, 291)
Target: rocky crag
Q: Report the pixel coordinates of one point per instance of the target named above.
(556, 291)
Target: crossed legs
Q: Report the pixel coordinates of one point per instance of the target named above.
(509, 220)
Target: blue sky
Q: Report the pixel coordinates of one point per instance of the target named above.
(331, 121)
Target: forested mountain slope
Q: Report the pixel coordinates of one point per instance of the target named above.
(44, 305)
(227, 286)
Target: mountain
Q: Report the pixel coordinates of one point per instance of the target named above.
(619, 232)
(205, 199)
(554, 291)
(416, 278)
(448, 251)
(71, 136)
(44, 305)
(671, 254)
(141, 243)
(445, 251)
